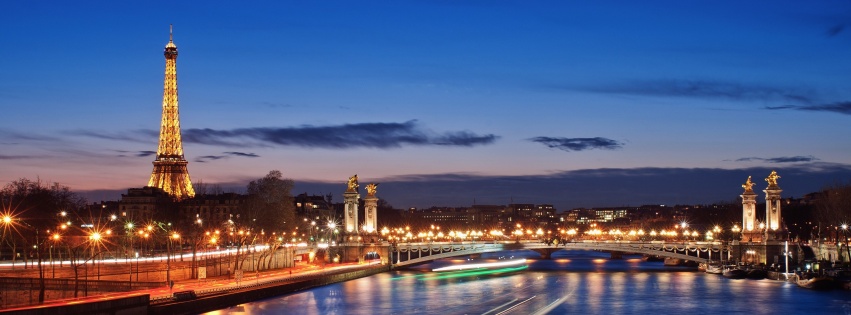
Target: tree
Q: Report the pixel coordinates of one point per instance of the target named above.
(270, 204)
(36, 206)
(833, 208)
(387, 216)
(269, 211)
(38, 201)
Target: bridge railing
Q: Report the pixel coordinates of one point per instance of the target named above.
(413, 253)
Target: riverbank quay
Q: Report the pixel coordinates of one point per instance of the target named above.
(193, 296)
(21, 284)
(217, 296)
(125, 304)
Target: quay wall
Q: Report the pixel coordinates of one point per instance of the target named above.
(131, 305)
(223, 300)
(20, 286)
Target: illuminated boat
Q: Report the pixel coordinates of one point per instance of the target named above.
(714, 268)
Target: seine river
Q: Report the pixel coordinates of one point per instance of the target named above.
(573, 282)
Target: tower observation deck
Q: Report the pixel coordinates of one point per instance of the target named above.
(170, 173)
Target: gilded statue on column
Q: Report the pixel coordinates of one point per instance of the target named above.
(772, 179)
(748, 185)
(370, 189)
(353, 183)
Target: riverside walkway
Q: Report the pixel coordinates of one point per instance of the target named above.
(213, 286)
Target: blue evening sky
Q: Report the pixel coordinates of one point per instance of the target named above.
(444, 102)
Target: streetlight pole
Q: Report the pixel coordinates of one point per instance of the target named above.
(786, 249)
(845, 236)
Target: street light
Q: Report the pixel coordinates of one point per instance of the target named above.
(55, 238)
(845, 236)
(7, 221)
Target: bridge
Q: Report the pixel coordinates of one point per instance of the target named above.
(407, 254)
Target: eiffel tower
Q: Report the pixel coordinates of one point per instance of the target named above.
(170, 173)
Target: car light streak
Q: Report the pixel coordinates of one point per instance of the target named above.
(507, 263)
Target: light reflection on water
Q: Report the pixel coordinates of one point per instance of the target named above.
(571, 283)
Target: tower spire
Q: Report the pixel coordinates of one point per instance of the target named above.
(170, 33)
(170, 173)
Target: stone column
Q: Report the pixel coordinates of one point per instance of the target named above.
(748, 211)
(370, 207)
(772, 206)
(350, 199)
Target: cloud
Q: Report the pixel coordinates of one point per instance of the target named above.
(13, 135)
(605, 187)
(835, 30)
(795, 98)
(838, 107)
(136, 153)
(709, 90)
(16, 157)
(243, 154)
(207, 158)
(364, 135)
(139, 135)
(785, 159)
(578, 144)
(591, 187)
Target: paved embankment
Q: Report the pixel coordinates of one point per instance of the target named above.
(206, 300)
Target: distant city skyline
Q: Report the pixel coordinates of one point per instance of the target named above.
(444, 103)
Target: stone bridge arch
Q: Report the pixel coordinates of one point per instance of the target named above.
(417, 253)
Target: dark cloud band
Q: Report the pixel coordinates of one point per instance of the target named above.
(709, 90)
(785, 159)
(838, 107)
(578, 144)
(207, 158)
(365, 135)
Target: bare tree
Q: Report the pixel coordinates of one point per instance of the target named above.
(833, 208)
(268, 211)
(35, 206)
(200, 187)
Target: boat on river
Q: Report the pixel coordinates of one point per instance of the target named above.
(814, 281)
(732, 272)
(757, 274)
(714, 268)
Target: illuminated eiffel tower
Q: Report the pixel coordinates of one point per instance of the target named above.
(170, 173)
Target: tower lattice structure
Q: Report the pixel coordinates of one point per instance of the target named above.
(170, 173)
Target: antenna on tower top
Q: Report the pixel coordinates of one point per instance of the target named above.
(170, 33)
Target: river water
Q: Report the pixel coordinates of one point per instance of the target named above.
(573, 282)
